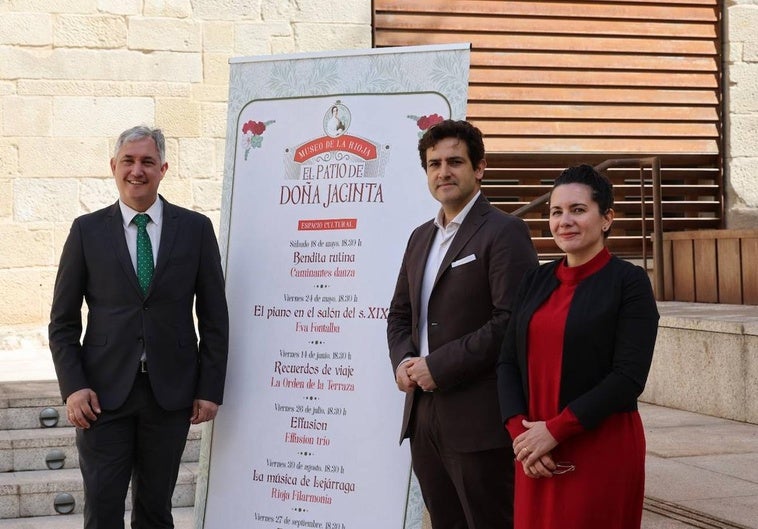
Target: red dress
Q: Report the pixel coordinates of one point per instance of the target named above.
(606, 488)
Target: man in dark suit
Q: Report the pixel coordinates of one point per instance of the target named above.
(446, 323)
(139, 377)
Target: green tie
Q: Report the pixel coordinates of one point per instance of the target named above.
(144, 252)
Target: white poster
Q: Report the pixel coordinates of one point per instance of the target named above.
(322, 188)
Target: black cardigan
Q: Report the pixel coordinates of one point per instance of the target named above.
(608, 343)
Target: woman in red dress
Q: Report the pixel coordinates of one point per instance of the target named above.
(573, 362)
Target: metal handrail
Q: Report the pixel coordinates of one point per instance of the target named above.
(654, 164)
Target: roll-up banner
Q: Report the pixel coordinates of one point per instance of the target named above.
(322, 187)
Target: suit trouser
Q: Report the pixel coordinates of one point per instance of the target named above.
(461, 490)
(140, 442)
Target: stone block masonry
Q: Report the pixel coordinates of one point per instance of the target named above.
(74, 74)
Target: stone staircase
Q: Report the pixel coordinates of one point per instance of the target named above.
(40, 482)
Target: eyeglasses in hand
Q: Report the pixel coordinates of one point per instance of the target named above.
(563, 467)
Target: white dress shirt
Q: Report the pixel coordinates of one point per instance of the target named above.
(153, 228)
(442, 240)
(153, 231)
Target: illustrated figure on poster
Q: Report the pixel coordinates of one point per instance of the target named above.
(575, 358)
(446, 323)
(336, 120)
(139, 377)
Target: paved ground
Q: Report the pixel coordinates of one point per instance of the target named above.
(702, 471)
(702, 468)
(30, 363)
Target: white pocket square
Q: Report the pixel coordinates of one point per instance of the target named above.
(464, 260)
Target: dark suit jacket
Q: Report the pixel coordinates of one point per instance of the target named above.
(95, 266)
(608, 342)
(467, 314)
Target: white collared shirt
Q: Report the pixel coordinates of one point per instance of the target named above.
(153, 228)
(440, 245)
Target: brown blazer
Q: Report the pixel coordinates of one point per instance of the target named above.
(468, 312)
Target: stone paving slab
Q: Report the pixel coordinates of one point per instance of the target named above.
(30, 363)
(742, 466)
(706, 464)
(676, 482)
(661, 514)
(717, 439)
(715, 317)
(741, 510)
(651, 520)
(655, 416)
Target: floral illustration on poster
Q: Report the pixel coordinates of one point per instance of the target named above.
(424, 123)
(252, 134)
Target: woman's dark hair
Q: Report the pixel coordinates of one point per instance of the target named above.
(449, 128)
(602, 188)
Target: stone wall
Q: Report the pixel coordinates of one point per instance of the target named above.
(741, 113)
(74, 74)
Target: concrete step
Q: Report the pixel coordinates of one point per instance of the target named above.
(22, 450)
(28, 487)
(33, 493)
(22, 402)
(184, 518)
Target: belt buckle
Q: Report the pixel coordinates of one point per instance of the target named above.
(143, 366)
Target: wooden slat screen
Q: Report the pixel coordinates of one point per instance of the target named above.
(711, 266)
(689, 192)
(555, 83)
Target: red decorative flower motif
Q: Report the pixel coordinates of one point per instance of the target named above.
(255, 127)
(425, 122)
(252, 134)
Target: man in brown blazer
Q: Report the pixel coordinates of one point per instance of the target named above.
(445, 326)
